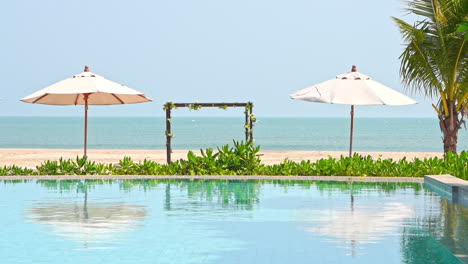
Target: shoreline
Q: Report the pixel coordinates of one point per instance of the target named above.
(31, 158)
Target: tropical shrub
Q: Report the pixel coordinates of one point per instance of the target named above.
(243, 158)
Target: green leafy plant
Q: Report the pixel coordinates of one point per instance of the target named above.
(48, 168)
(243, 158)
(169, 105)
(194, 106)
(126, 166)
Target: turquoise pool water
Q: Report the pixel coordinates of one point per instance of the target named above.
(217, 221)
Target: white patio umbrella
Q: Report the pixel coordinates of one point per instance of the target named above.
(352, 88)
(86, 88)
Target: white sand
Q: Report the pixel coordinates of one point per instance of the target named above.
(33, 157)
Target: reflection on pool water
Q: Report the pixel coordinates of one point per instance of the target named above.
(219, 221)
(89, 224)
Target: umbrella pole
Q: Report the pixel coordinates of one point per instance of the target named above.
(351, 132)
(86, 125)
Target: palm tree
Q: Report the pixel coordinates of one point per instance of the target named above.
(435, 61)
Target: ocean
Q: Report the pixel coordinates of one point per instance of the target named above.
(370, 134)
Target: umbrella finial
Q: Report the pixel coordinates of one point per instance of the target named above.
(354, 68)
(86, 68)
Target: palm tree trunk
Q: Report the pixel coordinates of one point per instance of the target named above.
(450, 125)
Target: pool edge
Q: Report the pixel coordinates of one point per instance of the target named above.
(449, 186)
(219, 177)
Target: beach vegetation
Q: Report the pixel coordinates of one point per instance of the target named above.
(434, 61)
(239, 159)
(244, 158)
(126, 166)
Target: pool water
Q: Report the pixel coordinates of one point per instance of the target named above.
(220, 221)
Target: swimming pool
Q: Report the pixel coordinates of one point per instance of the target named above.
(220, 221)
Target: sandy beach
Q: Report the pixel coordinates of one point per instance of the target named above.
(32, 157)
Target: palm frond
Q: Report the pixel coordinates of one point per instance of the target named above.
(435, 59)
(416, 66)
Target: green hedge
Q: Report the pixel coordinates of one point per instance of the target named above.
(244, 159)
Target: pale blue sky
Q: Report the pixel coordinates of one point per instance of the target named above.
(205, 50)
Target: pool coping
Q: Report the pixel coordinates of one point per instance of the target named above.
(453, 188)
(218, 177)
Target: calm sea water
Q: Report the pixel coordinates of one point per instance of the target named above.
(370, 134)
(173, 221)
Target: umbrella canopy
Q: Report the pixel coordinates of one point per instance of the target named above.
(86, 88)
(352, 88)
(97, 89)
